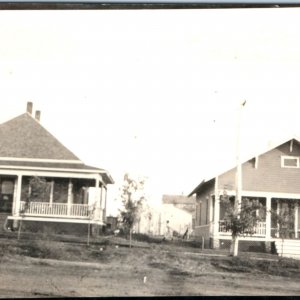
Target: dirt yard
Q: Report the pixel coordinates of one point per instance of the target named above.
(107, 267)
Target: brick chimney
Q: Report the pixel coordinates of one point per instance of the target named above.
(38, 115)
(29, 107)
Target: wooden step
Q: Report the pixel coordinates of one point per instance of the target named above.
(288, 248)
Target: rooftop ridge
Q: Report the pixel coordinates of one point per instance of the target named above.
(29, 159)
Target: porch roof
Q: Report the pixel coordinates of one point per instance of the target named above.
(201, 186)
(56, 166)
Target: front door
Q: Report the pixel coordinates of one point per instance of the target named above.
(6, 194)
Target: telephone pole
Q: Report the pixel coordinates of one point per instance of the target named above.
(238, 196)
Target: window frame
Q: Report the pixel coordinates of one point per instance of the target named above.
(286, 157)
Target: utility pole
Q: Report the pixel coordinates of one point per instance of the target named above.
(238, 185)
(238, 198)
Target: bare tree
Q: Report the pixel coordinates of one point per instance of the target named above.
(132, 195)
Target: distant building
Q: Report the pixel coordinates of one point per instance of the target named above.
(174, 217)
(182, 202)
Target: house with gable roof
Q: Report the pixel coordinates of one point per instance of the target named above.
(272, 178)
(72, 191)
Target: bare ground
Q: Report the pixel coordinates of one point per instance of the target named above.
(44, 268)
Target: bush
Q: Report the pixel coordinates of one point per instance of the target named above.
(40, 249)
(141, 237)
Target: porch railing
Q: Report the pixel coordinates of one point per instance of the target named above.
(258, 230)
(47, 209)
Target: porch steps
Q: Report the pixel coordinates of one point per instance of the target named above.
(288, 248)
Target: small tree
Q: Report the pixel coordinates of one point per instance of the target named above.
(241, 219)
(132, 195)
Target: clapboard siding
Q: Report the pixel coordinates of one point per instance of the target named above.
(203, 208)
(269, 176)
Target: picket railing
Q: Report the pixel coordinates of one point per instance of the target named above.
(258, 230)
(55, 209)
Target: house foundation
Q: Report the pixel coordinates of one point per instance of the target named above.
(214, 243)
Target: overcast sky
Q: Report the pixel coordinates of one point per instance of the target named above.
(155, 92)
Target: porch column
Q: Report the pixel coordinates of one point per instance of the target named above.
(101, 197)
(211, 199)
(278, 212)
(104, 209)
(97, 182)
(216, 209)
(70, 197)
(97, 214)
(268, 217)
(15, 196)
(18, 195)
(296, 219)
(51, 193)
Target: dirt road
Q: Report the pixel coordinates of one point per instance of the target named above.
(152, 271)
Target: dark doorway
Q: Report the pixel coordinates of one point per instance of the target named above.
(6, 194)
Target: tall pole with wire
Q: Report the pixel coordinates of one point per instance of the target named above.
(238, 185)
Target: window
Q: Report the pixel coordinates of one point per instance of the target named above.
(7, 187)
(289, 162)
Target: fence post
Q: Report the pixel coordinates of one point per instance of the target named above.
(89, 232)
(19, 229)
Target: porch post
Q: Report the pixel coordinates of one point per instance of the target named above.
(101, 202)
(296, 219)
(97, 182)
(278, 211)
(211, 199)
(215, 240)
(98, 201)
(104, 209)
(15, 196)
(51, 193)
(70, 198)
(268, 217)
(18, 195)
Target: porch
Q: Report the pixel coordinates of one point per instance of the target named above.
(58, 198)
(279, 215)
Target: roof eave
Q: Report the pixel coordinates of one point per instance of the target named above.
(201, 186)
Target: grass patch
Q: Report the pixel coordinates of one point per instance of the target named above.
(40, 249)
(178, 272)
(283, 267)
(169, 257)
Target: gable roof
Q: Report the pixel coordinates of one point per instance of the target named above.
(177, 199)
(26, 144)
(205, 183)
(25, 137)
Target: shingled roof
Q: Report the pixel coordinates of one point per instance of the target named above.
(25, 143)
(25, 137)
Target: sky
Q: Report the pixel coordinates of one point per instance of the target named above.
(156, 93)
